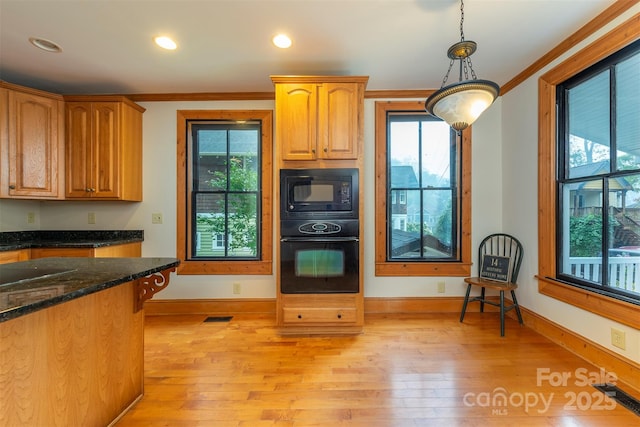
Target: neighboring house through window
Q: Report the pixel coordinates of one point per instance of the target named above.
(224, 192)
(422, 223)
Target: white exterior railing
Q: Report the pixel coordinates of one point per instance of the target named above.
(624, 272)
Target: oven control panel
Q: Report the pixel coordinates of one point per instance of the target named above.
(319, 228)
(327, 228)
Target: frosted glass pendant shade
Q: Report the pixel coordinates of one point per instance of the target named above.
(460, 104)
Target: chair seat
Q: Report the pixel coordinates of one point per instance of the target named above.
(491, 284)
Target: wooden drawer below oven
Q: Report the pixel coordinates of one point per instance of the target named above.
(294, 315)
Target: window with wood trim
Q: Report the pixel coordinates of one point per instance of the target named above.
(423, 194)
(598, 213)
(557, 179)
(224, 192)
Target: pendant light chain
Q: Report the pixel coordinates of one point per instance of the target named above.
(467, 60)
(461, 103)
(446, 76)
(461, 20)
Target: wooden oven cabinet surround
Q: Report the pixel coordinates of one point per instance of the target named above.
(31, 143)
(104, 148)
(320, 124)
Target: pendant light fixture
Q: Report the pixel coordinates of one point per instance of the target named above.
(460, 104)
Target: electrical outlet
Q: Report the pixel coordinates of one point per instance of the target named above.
(441, 287)
(618, 339)
(31, 218)
(156, 218)
(91, 218)
(237, 288)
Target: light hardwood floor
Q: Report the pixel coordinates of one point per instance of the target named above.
(404, 370)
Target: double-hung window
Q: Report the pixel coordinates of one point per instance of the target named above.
(224, 192)
(587, 175)
(598, 215)
(422, 224)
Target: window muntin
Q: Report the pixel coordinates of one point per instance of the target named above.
(401, 201)
(599, 186)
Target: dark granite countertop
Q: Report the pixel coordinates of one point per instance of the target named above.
(66, 279)
(15, 240)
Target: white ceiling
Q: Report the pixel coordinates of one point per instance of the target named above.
(225, 45)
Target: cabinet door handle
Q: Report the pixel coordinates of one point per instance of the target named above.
(12, 187)
(299, 316)
(339, 316)
(325, 149)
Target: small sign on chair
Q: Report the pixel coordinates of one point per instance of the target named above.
(495, 267)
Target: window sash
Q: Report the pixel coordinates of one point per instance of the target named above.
(461, 266)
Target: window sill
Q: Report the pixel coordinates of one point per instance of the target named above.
(454, 269)
(602, 305)
(226, 267)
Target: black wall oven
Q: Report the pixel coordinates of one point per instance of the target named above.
(319, 228)
(319, 257)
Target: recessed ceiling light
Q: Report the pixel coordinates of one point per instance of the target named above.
(282, 41)
(45, 44)
(165, 42)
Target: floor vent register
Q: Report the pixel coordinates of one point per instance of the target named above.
(615, 393)
(218, 319)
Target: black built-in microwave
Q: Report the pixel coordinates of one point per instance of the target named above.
(319, 193)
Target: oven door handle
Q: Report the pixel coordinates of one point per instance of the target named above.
(320, 239)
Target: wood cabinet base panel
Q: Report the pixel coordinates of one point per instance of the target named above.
(79, 363)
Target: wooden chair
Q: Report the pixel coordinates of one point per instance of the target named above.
(497, 245)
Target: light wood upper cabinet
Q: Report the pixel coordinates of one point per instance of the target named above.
(31, 143)
(104, 148)
(319, 117)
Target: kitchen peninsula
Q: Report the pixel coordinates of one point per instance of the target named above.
(72, 337)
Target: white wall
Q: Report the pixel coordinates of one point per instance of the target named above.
(519, 124)
(13, 215)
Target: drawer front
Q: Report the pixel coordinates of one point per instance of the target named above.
(14, 256)
(293, 315)
(61, 252)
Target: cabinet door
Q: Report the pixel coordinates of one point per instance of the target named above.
(338, 121)
(92, 149)
(106, 155)
(78, 150)
(33, 146)
(296, 120)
